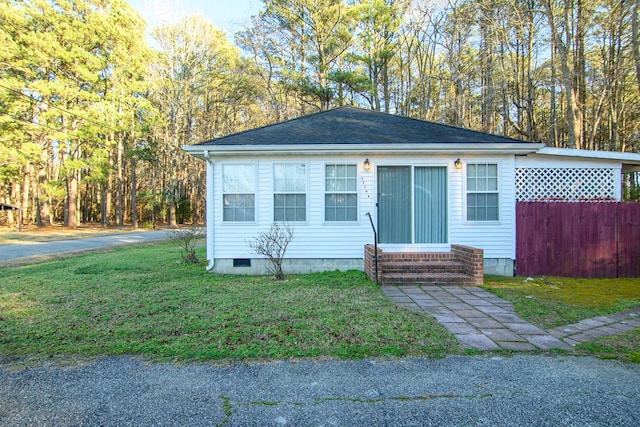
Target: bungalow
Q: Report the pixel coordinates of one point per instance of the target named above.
(425, 188)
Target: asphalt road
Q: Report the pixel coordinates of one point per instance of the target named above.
(14, 252)
(523, 390)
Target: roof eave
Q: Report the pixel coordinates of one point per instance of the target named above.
(209, 151)
(627, 158)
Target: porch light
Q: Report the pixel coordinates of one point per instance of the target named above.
(458, 163)
(367, 165)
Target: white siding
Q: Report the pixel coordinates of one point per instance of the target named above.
(496, 238)
(316, 238)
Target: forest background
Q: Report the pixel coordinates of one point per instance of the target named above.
(93, 111)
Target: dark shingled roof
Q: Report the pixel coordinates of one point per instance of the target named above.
(350, 125)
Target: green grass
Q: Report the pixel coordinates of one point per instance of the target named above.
(553, 301)
(556, 301)
(143, 301)
(625, 346)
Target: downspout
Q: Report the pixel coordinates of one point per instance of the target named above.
(209, 212)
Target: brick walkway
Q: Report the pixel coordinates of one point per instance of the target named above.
(483, 321)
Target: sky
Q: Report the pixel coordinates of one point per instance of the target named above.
(228, 15)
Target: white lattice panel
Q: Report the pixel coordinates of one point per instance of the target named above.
(565, 184)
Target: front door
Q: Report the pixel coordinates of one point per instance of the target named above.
(394, 204)
(412, 204)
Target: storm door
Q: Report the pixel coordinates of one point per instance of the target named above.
(412, 204)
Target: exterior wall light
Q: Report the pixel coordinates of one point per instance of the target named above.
(367, 165)
(458, 163)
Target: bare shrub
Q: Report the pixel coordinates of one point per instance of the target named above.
(273, 244)
(186, 239)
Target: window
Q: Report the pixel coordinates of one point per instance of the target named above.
(238, 194)
(482, 192)
(289, 192)
(341, 193)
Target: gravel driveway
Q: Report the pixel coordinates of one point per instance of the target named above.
(478, 391)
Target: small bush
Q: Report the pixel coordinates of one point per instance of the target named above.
(186, 239)
(273, 244)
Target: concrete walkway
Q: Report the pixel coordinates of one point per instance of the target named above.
(483, 321)
(25, 250)
(596, 327)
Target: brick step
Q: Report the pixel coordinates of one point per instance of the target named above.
(424, 267)
(426, 278)
(419, 257)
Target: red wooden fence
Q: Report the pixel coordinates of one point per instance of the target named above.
(578, 239)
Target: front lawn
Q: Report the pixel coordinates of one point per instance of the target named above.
(625, 346)
(556, 301)
(553, 301)
(143, 301)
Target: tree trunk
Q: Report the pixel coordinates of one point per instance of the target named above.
(104, 215)
(71, 214)
(26, 187)
(38, 214)
(373, 73)
(120, 181)
(574, 118)
(553, 115)
(385, 86)
(43, 214)
(134, 194)
(486, 68)
(635, 42)
(580, 75)
(574, 109)
(532, 125)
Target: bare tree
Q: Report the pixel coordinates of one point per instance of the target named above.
(273, 244)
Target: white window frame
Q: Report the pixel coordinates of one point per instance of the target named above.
(304, 192)
(485, 191)
(327, 192)
(234, 192)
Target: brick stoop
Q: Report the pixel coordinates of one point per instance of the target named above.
(463, 266)
(426, 278)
